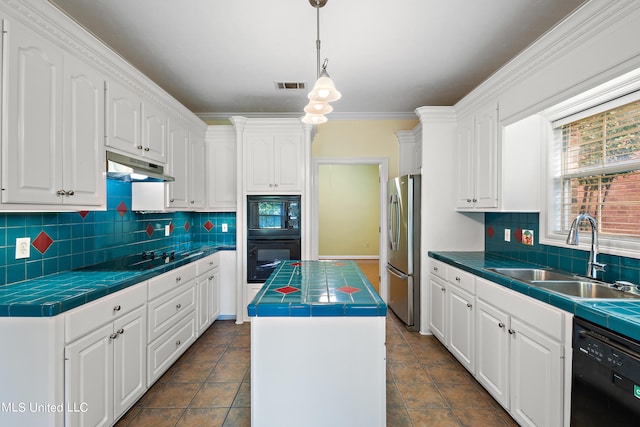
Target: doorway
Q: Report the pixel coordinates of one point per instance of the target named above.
(348, 198)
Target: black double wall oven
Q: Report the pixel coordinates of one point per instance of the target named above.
(273, 234)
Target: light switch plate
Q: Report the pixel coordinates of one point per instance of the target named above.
(507, 234)
(23, 247)
(225, 228)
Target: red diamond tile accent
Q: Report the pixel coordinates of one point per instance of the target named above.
(348, 290)
(208, 225)
(171, 228)
(42, 242)
(187, 226)
(150, 230)
(287, 290)
(338, 264)
(122, 209)
(295, 264)
(518, 235)
(490, 232)
(83, 214)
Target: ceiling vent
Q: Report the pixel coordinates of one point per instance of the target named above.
(290, 85)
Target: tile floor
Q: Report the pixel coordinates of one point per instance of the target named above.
(210, 385)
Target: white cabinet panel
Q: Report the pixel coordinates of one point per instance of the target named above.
(221, 179)
(124, 130)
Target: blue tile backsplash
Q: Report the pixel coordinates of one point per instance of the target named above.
(79, 239)
(572, 260)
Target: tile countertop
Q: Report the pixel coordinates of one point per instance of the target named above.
(622, 316)
(51, 295)
(317, 288)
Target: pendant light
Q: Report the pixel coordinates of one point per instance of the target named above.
(324, 91)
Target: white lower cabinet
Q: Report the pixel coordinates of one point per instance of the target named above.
(520, 354)
(451, 316)
(208, 291)
(165, 350)
(105, 369)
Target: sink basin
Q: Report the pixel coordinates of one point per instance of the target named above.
(530, 274)
(583, 289)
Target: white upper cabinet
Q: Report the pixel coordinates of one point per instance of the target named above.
(274, 163)
(221, 168)
(134, 126)
(54, 118)
(178, 165)
(197, 179)
(477, 159)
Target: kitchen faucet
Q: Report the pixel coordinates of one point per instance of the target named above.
(572, 239)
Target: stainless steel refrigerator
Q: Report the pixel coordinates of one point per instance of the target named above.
(403, 263)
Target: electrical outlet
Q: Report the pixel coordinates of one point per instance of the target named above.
(167, 230)
(507, 234)
(23, 247)
(225, 228)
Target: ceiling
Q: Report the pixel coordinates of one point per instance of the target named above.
(221, 58)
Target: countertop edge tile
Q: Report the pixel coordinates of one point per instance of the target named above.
(603, 312)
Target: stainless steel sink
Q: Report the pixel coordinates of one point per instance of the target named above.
(583, 289)
(530, 274)
(564, 283)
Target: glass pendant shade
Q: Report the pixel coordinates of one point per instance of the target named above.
(314, 119)
(315, 107)
(324, 90)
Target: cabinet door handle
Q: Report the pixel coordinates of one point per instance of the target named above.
(512, 331)
(193, 201)
(500, 325)
(177, 343)
(443, 289)
(171, 200)
(468, 200)
(178, 306)
(70, 193)
(139, 147)
(117, 308)
(469, 305)
(61, 192)
(146, 148)
(475, 200)
(113, 336)
(271, 185)
(120, 331)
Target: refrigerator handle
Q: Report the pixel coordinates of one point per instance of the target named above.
(397, 272)
(394, 221)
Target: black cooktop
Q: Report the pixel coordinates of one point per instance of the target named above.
(136, 262)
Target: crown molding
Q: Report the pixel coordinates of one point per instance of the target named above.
(297, 115)
(578, 28)
(52, 23)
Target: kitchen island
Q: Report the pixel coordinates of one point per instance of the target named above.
(318, 347)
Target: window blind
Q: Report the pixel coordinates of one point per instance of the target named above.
(600, 169)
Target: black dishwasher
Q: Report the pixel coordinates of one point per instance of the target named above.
(605, 388)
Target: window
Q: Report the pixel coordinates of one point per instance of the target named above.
(593, 166)
(599, 170)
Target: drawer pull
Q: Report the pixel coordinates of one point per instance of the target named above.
(117, 308)
(501, 325)
(178, 306)
(178, 343)
(120, 331)
(178, 278)
(457, 279)
(113, 336)
(435, 268)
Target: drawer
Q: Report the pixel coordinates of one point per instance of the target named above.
(166, 311)
(462, 279)
(82, 320)
(166, 350)
(164, 283)
(207, 264)
(438, 268)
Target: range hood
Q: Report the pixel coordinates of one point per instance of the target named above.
(131, 169)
